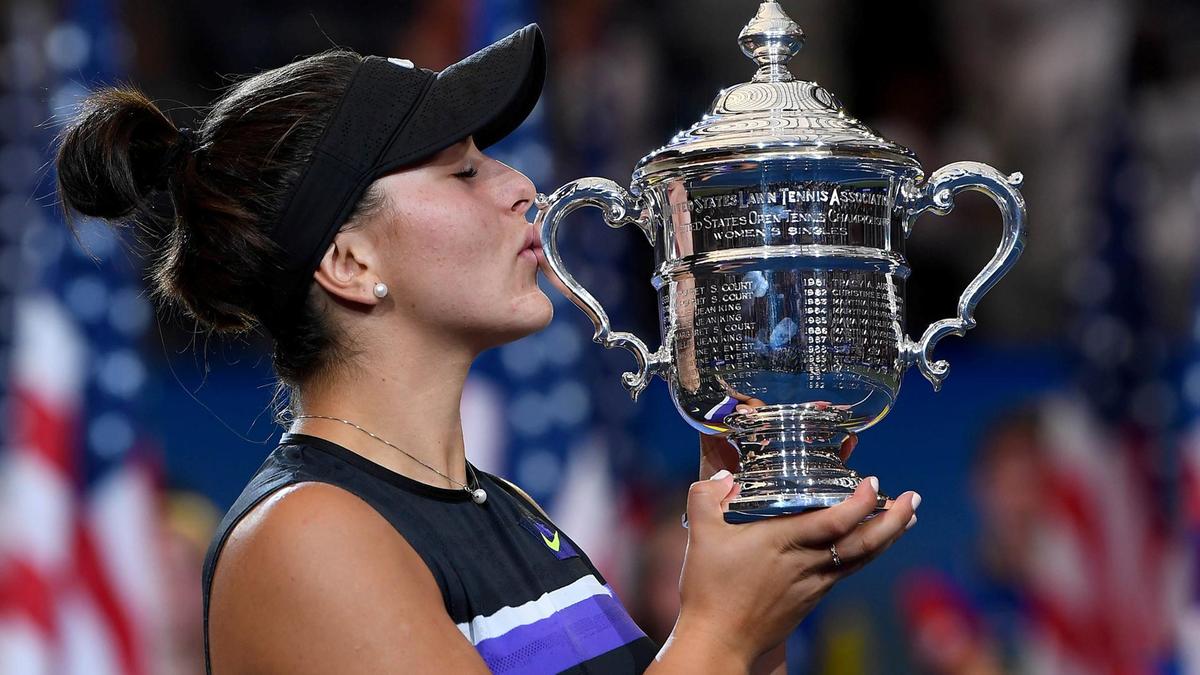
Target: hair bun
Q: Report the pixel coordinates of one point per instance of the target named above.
(206, 234)
(186, 144)
(111, 159)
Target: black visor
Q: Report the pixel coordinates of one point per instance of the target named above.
(394, 114)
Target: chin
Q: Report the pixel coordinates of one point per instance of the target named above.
(536, 312)
(527, 316)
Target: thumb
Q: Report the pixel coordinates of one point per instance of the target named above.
(705, 504)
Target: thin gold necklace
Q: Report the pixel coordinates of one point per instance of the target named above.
(478, 495)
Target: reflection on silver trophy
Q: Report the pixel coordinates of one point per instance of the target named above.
(778, 224)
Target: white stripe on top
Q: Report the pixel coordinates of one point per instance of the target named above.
(716, 408)
(507, 618)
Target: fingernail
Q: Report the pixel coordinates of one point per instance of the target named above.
(720, 475)
(916, 500)
(874, 484)
(911, 521)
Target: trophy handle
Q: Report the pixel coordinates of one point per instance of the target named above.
(937, 196)
(620, 208)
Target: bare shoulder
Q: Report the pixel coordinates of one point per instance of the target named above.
(306, 518)
(313, 579)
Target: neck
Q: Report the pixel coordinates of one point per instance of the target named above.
(406, 390)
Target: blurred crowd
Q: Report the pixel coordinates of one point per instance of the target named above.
(1062, 472)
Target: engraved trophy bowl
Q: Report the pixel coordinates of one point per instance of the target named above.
(778, 224)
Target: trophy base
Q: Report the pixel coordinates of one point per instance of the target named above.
(790, 462)
(791, 505)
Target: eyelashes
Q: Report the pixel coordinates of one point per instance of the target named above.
(469, 172)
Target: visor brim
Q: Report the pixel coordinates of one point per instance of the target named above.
(486, 95)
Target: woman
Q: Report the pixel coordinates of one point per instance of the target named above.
(343, 204)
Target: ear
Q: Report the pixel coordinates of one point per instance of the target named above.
(348, 271)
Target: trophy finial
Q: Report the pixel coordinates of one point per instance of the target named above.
(772, 39)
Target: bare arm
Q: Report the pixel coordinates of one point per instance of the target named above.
(313, 580)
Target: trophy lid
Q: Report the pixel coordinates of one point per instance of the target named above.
(772, 116)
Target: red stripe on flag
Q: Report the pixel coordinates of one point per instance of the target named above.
(1105, 507)
(1085, 633)
(45, 429)
(1083, 637)
(26, 592)
(91, 572)
(1074, 501)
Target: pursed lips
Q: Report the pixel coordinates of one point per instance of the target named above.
(532, 243)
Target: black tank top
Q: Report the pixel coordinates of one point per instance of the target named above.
(519, 589)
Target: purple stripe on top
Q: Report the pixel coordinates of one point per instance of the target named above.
(564, 639)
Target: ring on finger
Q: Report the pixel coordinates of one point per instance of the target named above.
(837, 559)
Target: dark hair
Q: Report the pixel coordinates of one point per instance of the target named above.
(202, 207)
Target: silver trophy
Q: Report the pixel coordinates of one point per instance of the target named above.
(778, 224)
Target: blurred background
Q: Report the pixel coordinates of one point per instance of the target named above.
(1059, 466)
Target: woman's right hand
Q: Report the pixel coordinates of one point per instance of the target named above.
(744, 587)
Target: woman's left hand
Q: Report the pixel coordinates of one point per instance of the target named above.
(716, 454)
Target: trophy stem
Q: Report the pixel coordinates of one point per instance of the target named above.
(790, 461)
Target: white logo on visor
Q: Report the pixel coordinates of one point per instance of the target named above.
(403, 63)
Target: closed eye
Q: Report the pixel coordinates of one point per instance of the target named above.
(469, 172)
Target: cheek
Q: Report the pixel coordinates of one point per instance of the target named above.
(448, 262)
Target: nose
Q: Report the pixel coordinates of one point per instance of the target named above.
(521, 192)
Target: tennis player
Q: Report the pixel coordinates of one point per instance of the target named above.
(344, 204)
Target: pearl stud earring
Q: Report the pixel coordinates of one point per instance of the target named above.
(380, 290)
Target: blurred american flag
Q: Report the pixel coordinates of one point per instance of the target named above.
(1099, 593)
(79, 506)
